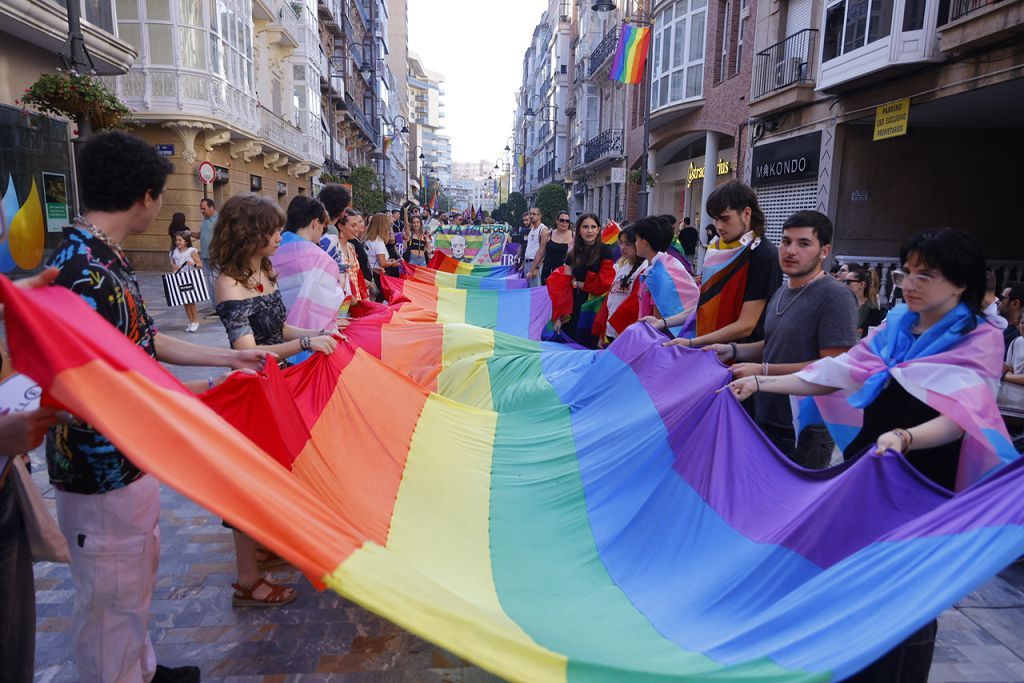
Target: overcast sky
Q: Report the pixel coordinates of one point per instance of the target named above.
(478, 46)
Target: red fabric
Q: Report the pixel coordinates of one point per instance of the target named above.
(628, 311)
(560, 290)
(262, 409)
(601, 321)
(600, 282)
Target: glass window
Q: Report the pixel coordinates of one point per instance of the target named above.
(193, 48)
(127, 9)
(695, 80)
(191, 12)
(129, 33)
(852, 24)
(161, 44)
(913, 15)
(158, 10)
(678, 47)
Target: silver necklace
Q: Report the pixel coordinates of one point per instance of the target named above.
(778, 304)
(100, 235)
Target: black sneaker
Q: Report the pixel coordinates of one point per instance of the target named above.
(180, 674)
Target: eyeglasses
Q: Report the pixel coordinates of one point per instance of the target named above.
(563, 220)
(901, 279)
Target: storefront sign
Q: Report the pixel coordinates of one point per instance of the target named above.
(55, 198)
(697, 172)
(165, 150)
(891, 119)
(787, 161)
(618, 175)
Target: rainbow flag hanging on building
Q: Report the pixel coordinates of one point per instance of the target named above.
(532, 525)
(631, 55)
(433, 202)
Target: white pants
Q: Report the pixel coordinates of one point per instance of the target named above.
(115, 551)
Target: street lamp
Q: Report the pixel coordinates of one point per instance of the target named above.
(395, 130)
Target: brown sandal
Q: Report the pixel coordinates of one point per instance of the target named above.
(278, 595)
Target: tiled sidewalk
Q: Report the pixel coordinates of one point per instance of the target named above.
(322, 637)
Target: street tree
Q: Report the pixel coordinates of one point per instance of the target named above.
(551, 199)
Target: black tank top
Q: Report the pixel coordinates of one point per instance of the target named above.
(896, 408)
(555, 254)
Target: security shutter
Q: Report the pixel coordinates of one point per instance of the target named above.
(798, 16)
(779, 202)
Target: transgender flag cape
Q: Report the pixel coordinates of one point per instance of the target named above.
(671, 288)
(551, 515)
(954, 373)
(308, 279)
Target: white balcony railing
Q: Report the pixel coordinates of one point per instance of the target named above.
(280, 133)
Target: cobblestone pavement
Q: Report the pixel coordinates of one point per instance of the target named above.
(323, 637)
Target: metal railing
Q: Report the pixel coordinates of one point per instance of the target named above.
(785, 63)
(961, 8)
(605, 145)
(289, 21)
(1005, 271)
(363, 121)
(604, 50)
(277, 131)
(546, 171)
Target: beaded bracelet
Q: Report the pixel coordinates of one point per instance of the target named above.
(735, 352)
(304, 343)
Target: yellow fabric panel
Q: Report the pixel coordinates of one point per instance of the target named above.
(394, 589)
(451, 305)
(465, 376)
(442, 279)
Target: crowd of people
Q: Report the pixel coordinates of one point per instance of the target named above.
(285, 282)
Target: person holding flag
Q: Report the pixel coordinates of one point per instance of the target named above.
(741, 273)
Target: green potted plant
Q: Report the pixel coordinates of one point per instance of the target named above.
(634, 178)
(79, 97)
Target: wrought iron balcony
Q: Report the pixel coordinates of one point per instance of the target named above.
(785, 63)
(604, 50)
(606, 145)
(961, 8)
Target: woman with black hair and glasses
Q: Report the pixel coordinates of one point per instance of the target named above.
(923, 386)
(555, 246)
(863, 284)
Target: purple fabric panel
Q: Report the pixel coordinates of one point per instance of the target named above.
(540, 311)
(823, 515)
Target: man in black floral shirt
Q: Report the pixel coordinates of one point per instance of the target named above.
(107, 507)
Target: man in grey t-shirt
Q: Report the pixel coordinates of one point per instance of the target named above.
(813, 317)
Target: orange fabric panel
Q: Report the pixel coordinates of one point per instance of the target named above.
(414, 350)
(245, 486)
(362, 461)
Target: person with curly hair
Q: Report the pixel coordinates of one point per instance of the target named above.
(252, 310)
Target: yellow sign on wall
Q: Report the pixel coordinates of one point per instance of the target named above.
(891, 119)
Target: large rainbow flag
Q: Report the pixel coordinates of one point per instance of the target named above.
(520, 312)
(621, 525)
(439, 278)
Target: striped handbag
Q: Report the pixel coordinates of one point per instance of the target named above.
(187, 286)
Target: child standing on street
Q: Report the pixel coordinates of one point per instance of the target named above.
(184, 255)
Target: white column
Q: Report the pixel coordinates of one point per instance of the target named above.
(710, 176)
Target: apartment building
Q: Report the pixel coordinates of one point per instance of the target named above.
(431, 149)
(36, 149)
(950, 74)
(542, 118)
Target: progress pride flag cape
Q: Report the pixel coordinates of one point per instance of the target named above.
(560, 539)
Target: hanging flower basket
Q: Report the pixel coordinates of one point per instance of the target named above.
(79, 97)
(634, 178)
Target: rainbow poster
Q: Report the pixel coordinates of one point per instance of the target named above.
(548, 514)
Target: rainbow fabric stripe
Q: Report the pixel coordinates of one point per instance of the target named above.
(519, 312)
(631, 55)
(438, 278)
(443, 262)
(550, 515)
(610, 233)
